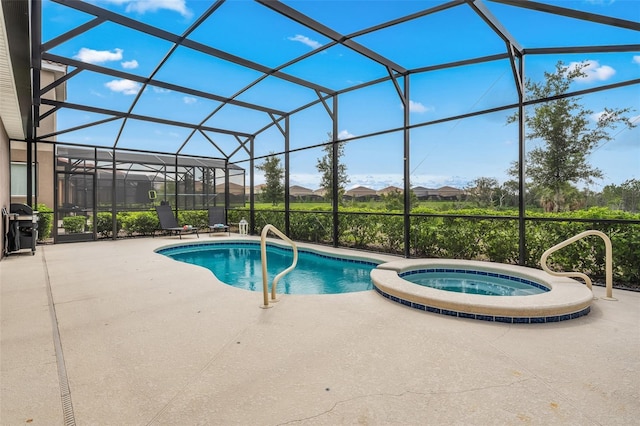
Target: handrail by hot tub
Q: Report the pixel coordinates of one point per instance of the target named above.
(263, 257)
(608, 261)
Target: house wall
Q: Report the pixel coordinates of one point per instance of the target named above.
(5, 180)
(44, 155)
(44, 168)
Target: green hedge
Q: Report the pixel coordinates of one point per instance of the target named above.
(197, 218)
(45, 221)
(74, 224)
(146, 222)
(139, 223)
(476, 238)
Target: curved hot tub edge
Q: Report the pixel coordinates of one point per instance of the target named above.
(567, 298)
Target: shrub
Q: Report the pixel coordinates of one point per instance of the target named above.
(314, 227)
(358, 230)
(142, 223)
(197, 218)
(104, 224)
(74, 224)
(45, 220)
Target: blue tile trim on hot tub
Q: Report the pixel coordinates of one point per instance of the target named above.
(484, 317)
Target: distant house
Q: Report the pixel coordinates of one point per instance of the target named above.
(361, 193)
(425, 193)
(390, 190)
(450, 193)
(300, 193)
(320, 192)
(258, 189)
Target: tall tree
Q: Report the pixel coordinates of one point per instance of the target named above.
(273, 190)
(568, 137)
(325, 168)
(625, 196)
(484, 191)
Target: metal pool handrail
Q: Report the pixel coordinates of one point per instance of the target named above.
(263, 257)
(608, 261)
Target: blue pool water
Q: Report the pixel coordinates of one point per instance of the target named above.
(474, 282)
(239, 265)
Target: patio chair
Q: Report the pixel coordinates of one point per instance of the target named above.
(217, 220)
(168, 222)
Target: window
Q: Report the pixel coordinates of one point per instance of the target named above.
(19, 179)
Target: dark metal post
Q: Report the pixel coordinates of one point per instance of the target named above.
(521, 172)
(407, 175)
(36, 59)
(287, 222)
(252, 209)
(175, 190)
(227, 197)
(114, 196)
(36, 173)
(30, 172)
(334, 164)
(94, 206)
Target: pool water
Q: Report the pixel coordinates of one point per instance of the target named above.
(474, 282)
(239, 265)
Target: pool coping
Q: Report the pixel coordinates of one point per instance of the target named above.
(566, 299)
(348, 255)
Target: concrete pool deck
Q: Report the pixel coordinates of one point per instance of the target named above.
(111, 333)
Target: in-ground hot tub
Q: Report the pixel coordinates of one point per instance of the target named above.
(561, 298)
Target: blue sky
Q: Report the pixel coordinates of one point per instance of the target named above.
(451, 153)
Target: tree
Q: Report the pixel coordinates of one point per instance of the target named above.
(273, 189)
(625, 196)
(563, 126)
(484, 191)
(394, 200)
(325, 168)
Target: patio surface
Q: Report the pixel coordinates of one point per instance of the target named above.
(145, 340)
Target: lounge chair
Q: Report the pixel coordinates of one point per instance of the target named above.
(217, 220)
(168, 222)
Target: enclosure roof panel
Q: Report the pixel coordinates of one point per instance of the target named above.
(162, 74)
(83, 153)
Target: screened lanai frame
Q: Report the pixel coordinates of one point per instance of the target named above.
(326, 97)
(125, 181)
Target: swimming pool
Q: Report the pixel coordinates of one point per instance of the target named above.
(238, 264)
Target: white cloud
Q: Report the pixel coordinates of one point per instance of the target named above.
(144, 6)
(126, 87)
(160, 90)
(189, 100)
(305, 40)
(636, 59)
(308, 180)
(129, 65)
(378, 180)
(344, 134)
(98, 56)
(417, 107)
(594, 71)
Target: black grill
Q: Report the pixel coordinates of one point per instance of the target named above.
(22, 232)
